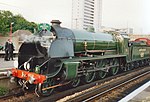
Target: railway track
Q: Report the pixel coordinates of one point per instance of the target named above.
(105, 92)
(83, 92)
(14, 92)
(89, 92)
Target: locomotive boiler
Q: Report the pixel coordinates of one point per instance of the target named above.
(57, 56)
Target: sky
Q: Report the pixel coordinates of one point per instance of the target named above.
(115, 13)
(40, 10)
(127, 14)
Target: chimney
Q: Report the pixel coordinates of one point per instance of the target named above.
(56, 22)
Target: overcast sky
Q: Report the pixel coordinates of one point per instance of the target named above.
(127, 13)
(116, 13)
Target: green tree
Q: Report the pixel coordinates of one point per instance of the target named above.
(20, 23)
(5, 19)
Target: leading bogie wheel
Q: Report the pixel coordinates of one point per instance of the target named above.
(44, 89)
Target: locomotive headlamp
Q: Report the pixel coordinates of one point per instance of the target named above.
(31, 80)
(26, 66)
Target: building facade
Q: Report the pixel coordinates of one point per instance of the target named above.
(86, 13)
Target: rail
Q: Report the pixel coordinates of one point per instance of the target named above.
(71, 94)
(58, 95)
(94, 94)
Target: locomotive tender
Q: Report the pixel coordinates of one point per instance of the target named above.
(57, 56)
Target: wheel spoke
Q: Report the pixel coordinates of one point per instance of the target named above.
(115, 69)
(89, 77)
(101, 64)
(46, 84)
(102, 74)
(75, 82)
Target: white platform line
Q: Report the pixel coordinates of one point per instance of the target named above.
(134, 93)
(9, 67)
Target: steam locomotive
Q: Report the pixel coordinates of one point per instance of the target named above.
(56, 56)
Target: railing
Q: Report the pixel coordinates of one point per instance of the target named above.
(2, 53)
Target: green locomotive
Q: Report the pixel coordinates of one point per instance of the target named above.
(57, 56)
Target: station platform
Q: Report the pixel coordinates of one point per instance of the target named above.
(142, 94)
(7, 64)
